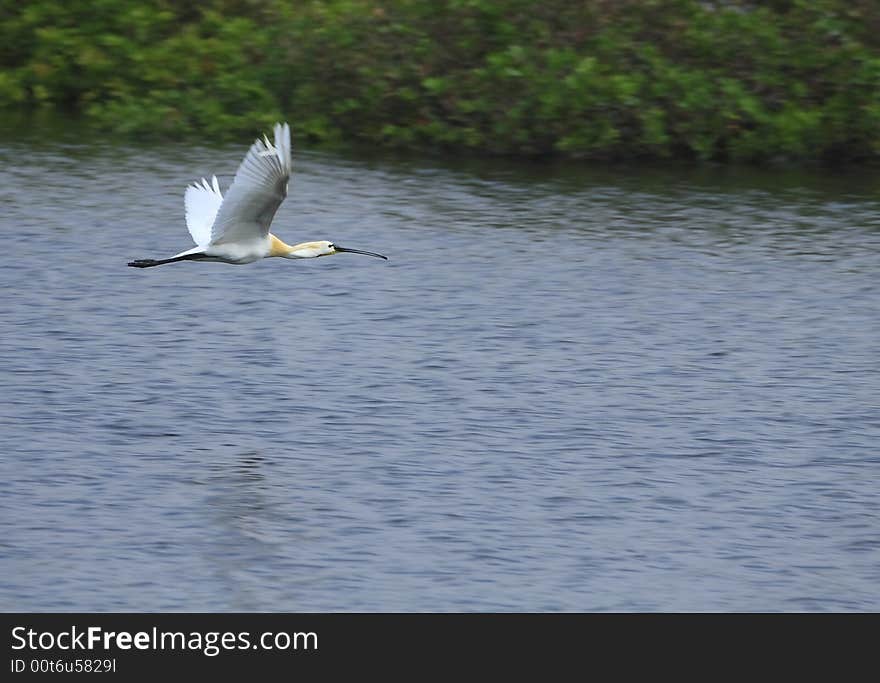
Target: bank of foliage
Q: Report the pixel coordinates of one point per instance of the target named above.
(794, 79)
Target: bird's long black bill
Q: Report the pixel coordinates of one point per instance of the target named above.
(358, 251)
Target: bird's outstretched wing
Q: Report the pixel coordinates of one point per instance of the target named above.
(201, 202)
(259, 187)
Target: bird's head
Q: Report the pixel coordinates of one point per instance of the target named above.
(326, 248)
(312, 249)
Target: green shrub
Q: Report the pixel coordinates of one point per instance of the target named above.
(744, 81)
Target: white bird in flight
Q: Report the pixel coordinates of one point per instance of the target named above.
(235, 228)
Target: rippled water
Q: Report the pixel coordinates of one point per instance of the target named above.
(568, 389)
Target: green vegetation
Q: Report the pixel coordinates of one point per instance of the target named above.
(604, 79)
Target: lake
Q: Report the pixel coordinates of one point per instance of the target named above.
(570, 388)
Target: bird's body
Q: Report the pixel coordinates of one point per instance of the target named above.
(235, 228)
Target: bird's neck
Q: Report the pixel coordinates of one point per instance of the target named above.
(278, 247)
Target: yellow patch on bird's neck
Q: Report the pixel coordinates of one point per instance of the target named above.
(277, 247)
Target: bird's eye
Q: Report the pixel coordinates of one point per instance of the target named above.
(332, 246)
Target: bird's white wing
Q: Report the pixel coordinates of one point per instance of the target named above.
(201, 202)
(259, 187)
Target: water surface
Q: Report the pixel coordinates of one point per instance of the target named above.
(568, 389)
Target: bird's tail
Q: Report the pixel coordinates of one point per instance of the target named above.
(149, 263)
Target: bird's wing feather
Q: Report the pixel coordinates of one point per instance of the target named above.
(259, 187)
(201, 202)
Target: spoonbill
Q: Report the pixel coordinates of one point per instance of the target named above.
(235, 228)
